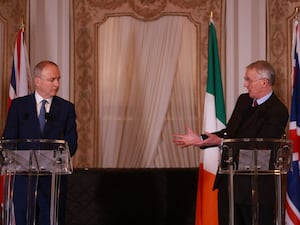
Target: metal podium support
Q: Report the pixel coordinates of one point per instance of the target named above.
(255, 157)
(33, 158)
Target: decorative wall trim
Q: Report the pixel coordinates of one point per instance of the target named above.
(280, 15)
(88, 15)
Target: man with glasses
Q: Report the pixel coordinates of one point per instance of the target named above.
(257, 114)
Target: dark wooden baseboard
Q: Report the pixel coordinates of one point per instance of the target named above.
(132, 196)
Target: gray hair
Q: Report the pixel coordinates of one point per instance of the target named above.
(264, 69)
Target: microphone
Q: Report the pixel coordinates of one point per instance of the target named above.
(25, 116)
(48, 117)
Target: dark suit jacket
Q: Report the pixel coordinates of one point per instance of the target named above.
(22, 123)
(268, 120)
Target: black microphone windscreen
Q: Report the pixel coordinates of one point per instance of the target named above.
(47, 116)
(26, 115)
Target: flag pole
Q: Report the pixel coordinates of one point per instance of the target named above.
(207, 198)
(22, 26)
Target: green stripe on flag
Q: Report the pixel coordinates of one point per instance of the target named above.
(214, 79)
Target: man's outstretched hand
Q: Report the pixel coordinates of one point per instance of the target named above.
(188, 139)
(192, 138)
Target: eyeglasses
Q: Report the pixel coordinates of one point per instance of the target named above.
(249, 81)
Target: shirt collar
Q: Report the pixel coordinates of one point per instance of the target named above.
(39, 98)
(263, 99)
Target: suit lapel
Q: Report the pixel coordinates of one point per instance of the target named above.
(52, 116)
(32, 109)
(30, 114)
(253, 119)
(54, 109)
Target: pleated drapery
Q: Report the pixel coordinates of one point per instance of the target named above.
(147, 92)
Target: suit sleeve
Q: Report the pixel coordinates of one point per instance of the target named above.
(71, 135)
(235, 118)
(11, 125)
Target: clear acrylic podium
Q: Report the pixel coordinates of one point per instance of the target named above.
(33, 158)
(256, 157)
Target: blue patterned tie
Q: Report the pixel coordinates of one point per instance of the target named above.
(42, 118)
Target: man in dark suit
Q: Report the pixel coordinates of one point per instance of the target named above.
(257, 114)
(59, 120)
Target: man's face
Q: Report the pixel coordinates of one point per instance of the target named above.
(254, 83)
(47, 84)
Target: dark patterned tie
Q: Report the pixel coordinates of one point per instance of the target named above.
(42, 118)
(255, 103)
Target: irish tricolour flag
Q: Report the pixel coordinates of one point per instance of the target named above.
(214, 120)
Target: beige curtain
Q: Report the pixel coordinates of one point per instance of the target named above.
(2, 50)
(147, 91)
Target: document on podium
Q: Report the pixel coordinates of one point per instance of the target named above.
(37, 162)
(249, 158)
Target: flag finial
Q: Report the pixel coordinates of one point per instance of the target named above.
(297, 9)
(211, 14)
(22, 25)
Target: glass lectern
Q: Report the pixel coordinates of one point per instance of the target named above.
(33, 158)
(256, 157)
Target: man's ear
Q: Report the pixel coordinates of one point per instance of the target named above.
(37, 81)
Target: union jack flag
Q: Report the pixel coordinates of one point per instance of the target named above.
(20, 83)
(293, 178)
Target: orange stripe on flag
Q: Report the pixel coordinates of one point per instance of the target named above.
(207, 199)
